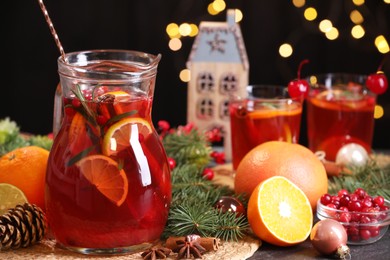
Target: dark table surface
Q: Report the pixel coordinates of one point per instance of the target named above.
(375, 251)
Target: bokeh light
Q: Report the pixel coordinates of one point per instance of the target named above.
(238, 15)
(310, 14)
(332, 34)
(185, 29)
(325, 25)
(185, 75)
(211, 10)
(358, 2)
(356, 17)
(378, 111)
(285, 50)
(313, 80)
(172, 30)
(194, 30)
(219, 5)
(381, 44)
(216, 7)
(175, 44)
(298, 3)
(357, 31)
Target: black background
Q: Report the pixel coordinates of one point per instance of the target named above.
(29, 54)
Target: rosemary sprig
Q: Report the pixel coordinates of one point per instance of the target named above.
(86, 112)
(80, 155)
(94, 129)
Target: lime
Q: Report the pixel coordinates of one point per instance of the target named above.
(10, 196)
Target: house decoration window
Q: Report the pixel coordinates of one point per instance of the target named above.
(205, 108)
(224, 109)
(205, 82)
(229, 83)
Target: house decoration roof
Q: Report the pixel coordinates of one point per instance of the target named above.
(219, 42)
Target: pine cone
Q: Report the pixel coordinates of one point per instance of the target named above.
(22, 226)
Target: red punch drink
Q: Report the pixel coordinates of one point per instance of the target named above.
(268, 114)
(108, 186)
(340, 110)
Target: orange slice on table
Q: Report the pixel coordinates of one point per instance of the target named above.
(117, 137)
(279, 212)
(104, 173)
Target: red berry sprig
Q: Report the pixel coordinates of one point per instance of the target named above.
(377, 82)
(219, 157)
(214, 135)
(351, 208)
(171, 163)
(208, 174)
(299, 87)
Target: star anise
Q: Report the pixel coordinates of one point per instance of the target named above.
(106, 98)
(189, 247)
(156, 252)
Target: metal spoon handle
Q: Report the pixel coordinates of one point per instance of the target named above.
(52, 29)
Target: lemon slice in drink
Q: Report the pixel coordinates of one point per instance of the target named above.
(10, 196)
(117, 137)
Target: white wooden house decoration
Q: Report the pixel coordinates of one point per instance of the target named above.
(219, 66)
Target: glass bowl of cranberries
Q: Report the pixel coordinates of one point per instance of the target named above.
(365, 218)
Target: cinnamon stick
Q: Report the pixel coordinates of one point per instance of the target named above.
(333, 169)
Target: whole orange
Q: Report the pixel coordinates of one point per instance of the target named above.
(25, 168)
(276, 158)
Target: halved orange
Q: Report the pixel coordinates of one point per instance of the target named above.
(104, 173)
(117, 137)
(279, 212)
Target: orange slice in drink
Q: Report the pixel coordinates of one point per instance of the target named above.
(121, 97)
(288, 135)
(268, 113)
(117, 137)
(104, 173)
(279, 212)
(78, 137)
(342, 100)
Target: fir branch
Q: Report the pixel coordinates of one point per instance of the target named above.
(372, 178)
(188, 147)
(186, 220)
(230, 226)
(187, 183)
(192, 208)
